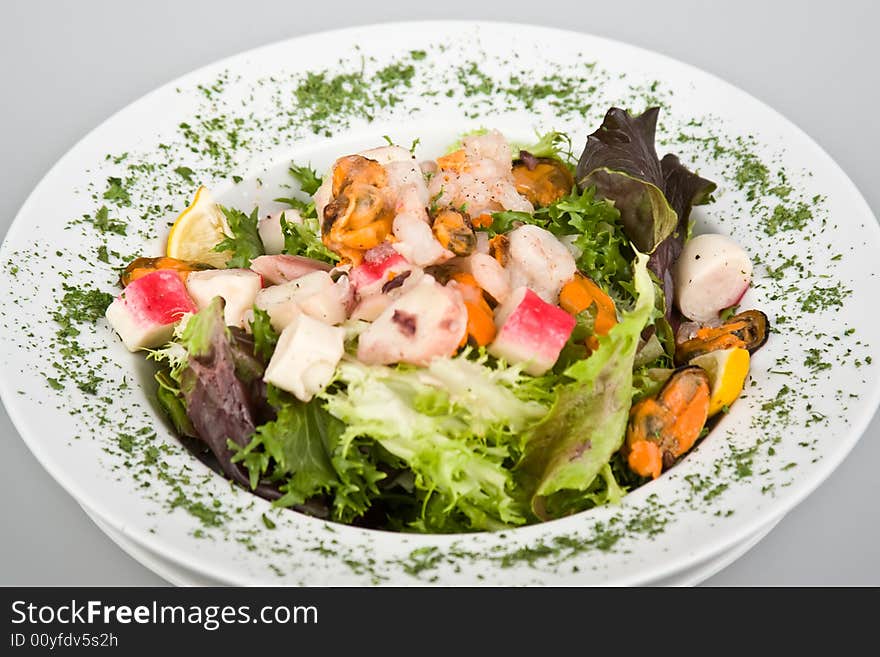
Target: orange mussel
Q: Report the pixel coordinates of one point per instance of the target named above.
(140, 267)
(542, 180)
(358, 217)
(579, 294)
(664, 427)
(747, 330)
(453, 229)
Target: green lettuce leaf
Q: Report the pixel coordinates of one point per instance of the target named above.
(305, 240)
(309, 182)
(605, 489)
(198, 332)
(244, 243)
(619, 159)
(574, 348)
(308, 178)
(297, 441)
(551, 144)
(301, 450)
(265, 337)
(171, 400)
(567, 450)
(305, 208)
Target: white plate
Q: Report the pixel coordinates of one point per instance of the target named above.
(758, 464)
(180, 576)
(167, 570)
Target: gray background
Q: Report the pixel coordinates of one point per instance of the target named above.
(66, 66)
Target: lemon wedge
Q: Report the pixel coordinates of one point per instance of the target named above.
(197, 230)
(727, 370)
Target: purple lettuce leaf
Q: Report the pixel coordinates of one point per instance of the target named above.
(220, 405)
(620, 161)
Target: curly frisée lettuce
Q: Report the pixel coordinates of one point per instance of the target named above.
(550, 144)
(304, 240)
(244, 243)
(593, 227)
(455, 424)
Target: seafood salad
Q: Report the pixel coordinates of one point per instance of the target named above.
(502, 335)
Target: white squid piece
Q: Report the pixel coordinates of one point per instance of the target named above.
(238, 287)
(282, 268)
(270, 231)
(712, 273)
(306, 357)
(314, 294)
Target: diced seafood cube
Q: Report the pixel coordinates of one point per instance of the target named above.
(145, 313)
(305, 357)
(238, 287)
(530, 331)
(314, 294)
(427, 321)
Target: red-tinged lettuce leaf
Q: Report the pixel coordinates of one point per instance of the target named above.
(218, 403)
(620, 161)
(684, 189)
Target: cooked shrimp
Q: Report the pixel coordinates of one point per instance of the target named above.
(478, 176)
(489, 146)
(539, 261)
(489, 274)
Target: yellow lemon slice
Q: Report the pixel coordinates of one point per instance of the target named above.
(197, 231)
(727, 370)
